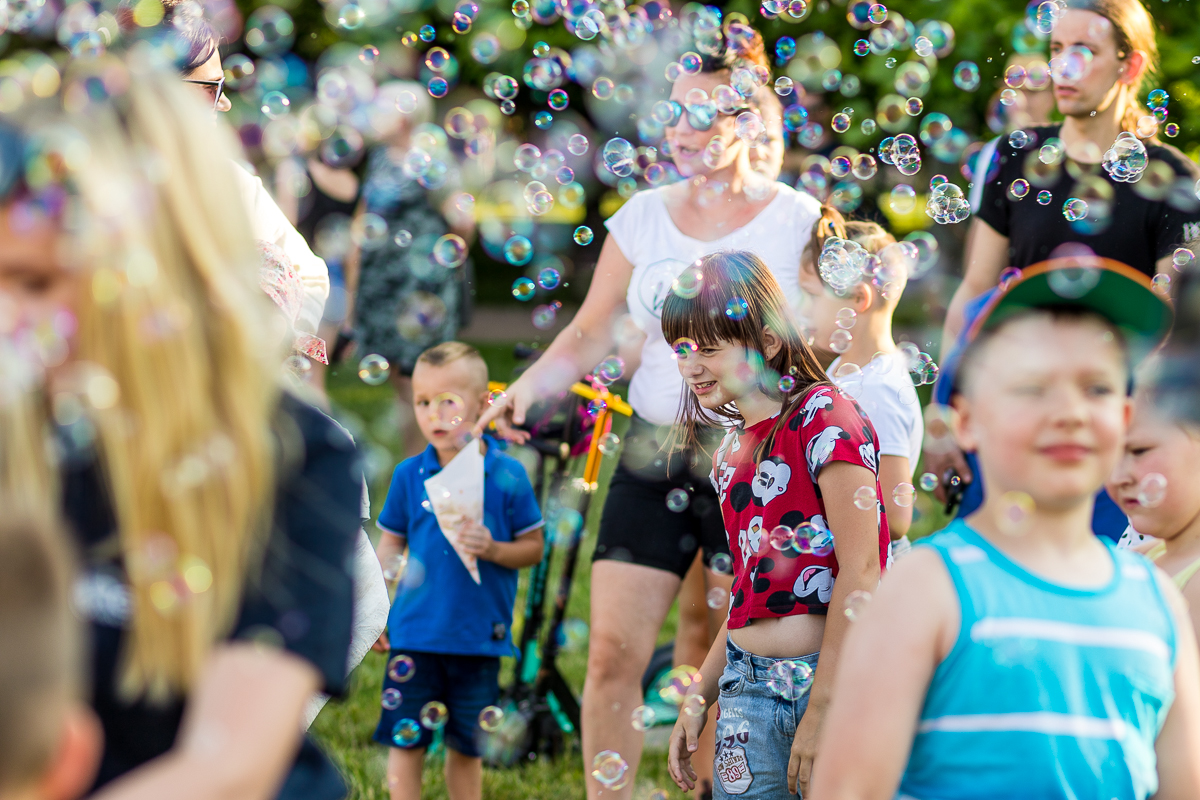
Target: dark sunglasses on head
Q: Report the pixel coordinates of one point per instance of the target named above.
(215, 88)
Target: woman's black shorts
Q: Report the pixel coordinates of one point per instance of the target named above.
(637, 525)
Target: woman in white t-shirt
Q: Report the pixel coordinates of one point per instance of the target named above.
(660, 509)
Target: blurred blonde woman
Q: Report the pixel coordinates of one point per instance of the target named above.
(215, 515)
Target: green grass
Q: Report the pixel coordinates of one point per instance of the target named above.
(344, 728)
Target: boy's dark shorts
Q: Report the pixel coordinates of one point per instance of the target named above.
(466, 684)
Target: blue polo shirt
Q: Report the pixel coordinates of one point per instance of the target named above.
(438, 607)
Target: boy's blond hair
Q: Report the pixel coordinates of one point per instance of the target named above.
(40, 652)
(448, 352)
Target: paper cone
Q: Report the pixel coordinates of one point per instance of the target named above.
(456, 494)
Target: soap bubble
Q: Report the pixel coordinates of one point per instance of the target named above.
(856, 604)
(609, 769)
(1018, 139)
(577, 145)
(1126, 160)
(497, 397)
(846, 317)
(406, 733)
(1182, 257)
(914, 106)
(737, 308)
(840, 122)
(784, 86)
(548, 278)
(643, 718)
(401, 668)
(781, 537)
(491, 718)
(610, 443)
(1152, 490)
(678, 500)
(1044, 197)
(903, 494)
(368, 55)
(373, 369)
(1073, 282)
(523, 289)
(1075, 209)
(583, 235)
(839, 341)
(966, 76)
(1018, 189)
(518, 250)
(688, 283)
(902, 198)
(434, 715)
(1071, 66)
(789, 680)
(275, 105)
(427, 33)
(822, 542)
(787, 383)
(1014, 511)
(269, 31)
(603, 88)
(722, 564)
(929, 481)
(865, 498)
(716, 597)
(558, 100)
(1014, 76)
(609, 371)
(619, 156)
(391, 699)
(450, 250)
(864, 167)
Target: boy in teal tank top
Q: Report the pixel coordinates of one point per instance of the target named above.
(1025, 656)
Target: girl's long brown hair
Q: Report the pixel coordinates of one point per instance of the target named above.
(728, 277)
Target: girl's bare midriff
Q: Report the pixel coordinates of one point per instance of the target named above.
(781, 637)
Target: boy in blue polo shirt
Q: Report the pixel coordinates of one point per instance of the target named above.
(449, 624)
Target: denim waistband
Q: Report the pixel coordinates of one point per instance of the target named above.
(758, 668)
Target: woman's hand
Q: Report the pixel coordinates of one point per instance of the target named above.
(685, 738)
(508, 413)
(804, 750)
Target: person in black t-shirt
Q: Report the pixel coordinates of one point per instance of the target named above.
(1102, 51)
(215, 517)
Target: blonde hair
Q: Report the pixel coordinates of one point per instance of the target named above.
(41, 660)
(448, 352)
(169, 309)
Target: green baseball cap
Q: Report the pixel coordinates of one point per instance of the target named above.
(1120, 294)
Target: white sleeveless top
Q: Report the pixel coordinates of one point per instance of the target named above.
(658, 252)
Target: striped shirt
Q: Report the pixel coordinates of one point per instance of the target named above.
(1050, 691)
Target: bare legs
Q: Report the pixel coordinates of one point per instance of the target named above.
(464, 774)
(629, 604)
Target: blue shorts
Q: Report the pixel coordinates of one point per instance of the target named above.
(755, 728)
(466, 684)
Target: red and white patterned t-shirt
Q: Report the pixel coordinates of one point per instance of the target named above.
(782, 490)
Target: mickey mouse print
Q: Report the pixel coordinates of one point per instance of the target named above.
(781, 489)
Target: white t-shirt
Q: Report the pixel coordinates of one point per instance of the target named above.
(885, 392)
(268, 223)
(658, 251)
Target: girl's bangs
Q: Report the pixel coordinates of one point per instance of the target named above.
(718, 313)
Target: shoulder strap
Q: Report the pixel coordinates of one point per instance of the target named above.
(1185, 575)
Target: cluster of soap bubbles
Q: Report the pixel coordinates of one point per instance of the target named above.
(790, 680)
(947, 204)
(902, 152)
(811, 537)
(1126, 160)
(921, 366)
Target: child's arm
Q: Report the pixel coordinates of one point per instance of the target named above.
(524, 551)
(686, 735)
(893, 471)
(894, 646)
(1179, 741)
(856, 543)
(390, 546)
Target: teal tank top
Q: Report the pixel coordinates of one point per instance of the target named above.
(1049, 692)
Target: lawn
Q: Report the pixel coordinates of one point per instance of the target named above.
(344, 728)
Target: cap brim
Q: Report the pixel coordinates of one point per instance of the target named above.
(1119, 293)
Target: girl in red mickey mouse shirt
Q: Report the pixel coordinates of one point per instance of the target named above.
(796, 475)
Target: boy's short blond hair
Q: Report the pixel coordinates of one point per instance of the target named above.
(40, 652)
(448, 352)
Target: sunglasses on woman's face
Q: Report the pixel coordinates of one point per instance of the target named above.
(215, 88)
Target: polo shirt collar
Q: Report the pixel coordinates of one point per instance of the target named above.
(430, 465)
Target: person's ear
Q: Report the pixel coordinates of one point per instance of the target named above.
(862, 297)
(1133, 68)
(76, 758)
(961, 423)
(772, 344)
